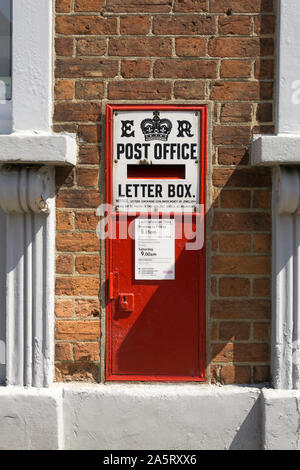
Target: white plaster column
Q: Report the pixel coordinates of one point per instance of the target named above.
(27, 197)
(282, 151)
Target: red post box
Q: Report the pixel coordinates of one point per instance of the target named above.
(155, 249)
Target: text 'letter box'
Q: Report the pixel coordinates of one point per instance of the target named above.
(155, 249)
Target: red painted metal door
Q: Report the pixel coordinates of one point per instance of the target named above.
(155, 329)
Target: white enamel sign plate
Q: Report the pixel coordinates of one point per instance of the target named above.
(156, 160)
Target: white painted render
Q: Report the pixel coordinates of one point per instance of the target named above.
(27, 199)
(281, 418)
(278, 150)
(32, 67)
(27, 196)
(128, 417)
(38, 148)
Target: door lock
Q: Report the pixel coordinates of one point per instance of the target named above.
(126, 302)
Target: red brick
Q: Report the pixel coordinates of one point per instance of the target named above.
(232, 135)
(136, 6)
(190, 47)
(235, 199)
(87, 264)
(63, 6)
(89, 5)
(77, 286)
(64, 46)
(78, 198)
(264, 112)
(87, 308)
(64, 90)
(189, 90)
(89, 133)
(86, 221)
(139, 90)
(240, 265)
(87, 352)
(89, 154)
(234, 287)
(234, 47)
(77, 372)
(135, 68)
(261, 331)
(241, 6)
(235, 243)
(184, 25)
(264, 69)
(77, 242)
(88, 46)
(233, 156)
(261, 287)
(185, 68)
(244, 222)
(214, 331)
(232, 374)
(77, 330)
(64, 220)
(239, 352)
(134, 25)
(261, 374)
(185, 6)
(246, 91)
(64, 308)
(142, 47)
(80, 24)
(249, 177)
(236, 112)
(63, 352)
(87, 177)
(64, 264)
(264, 24)
(262, 243)
(89, 90)
(77, 112)
(236, 69)
(213, 286)
(240, 309)
(240, 25)
(82, 67)
(234, 331)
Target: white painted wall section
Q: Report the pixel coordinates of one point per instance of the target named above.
(281, 410)
(32, 65)
(163, 417)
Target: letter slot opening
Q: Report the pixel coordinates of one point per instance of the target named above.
(174, 172)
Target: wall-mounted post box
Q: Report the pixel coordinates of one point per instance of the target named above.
(155, 194)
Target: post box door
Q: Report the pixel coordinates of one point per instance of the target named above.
(155, 328)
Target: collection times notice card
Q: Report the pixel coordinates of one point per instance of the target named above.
(154, 249)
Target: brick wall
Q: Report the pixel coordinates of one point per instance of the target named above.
(218, 51)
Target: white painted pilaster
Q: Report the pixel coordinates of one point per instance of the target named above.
(283, 148)
(27, 197)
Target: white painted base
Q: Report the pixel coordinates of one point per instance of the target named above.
(162, 417)
(144, 417)
(281, 419)
(30, 419)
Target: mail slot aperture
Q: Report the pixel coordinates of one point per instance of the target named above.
(156, 172)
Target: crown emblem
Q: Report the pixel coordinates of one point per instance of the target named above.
(156, 128)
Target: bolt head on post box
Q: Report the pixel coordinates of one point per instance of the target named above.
(155, 250)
